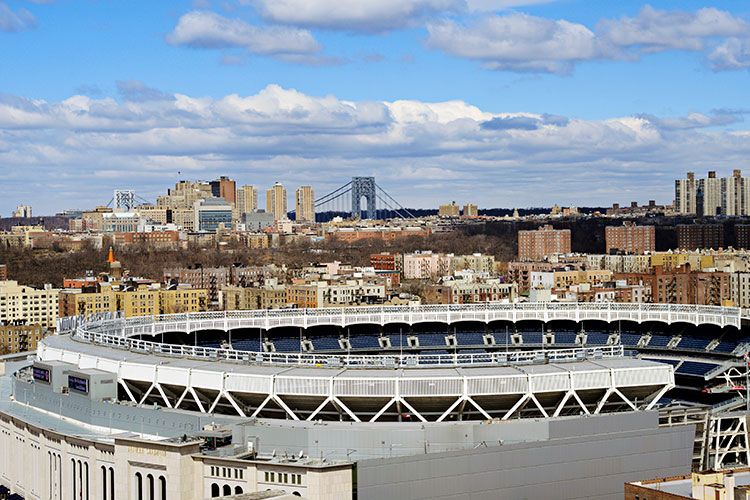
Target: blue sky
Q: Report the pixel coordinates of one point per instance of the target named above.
(500, 102)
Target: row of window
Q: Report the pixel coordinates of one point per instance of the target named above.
(225, 491)
(227, 472)
(150, 493)
(283, 478)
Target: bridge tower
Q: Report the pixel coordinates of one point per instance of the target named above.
(364, 187)
(124, 200)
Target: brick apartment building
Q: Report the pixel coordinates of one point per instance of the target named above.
(630, 239)
(695, 236)
(535, 245)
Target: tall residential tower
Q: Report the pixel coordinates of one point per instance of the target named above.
(276, 201)
(305, 206)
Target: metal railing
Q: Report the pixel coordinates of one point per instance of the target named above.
(348, 360)
(548, 311)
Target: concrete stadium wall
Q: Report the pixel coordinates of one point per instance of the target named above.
(571, 465)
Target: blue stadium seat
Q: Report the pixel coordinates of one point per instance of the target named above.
(597, 338)
(630, 338)
(693, 343)
(325, 343)
(565, 338)
(214, 343)
(659, 341)
(726, 346)
(431, 339)
(364, 341)
(470, 338)
(286, 344)
(695, 368)
(532, 337)
(247, 345)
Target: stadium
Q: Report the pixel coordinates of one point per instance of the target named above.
(382, 392)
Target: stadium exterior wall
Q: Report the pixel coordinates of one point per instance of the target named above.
(585, 458)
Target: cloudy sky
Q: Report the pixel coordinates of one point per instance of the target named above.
(500, 102)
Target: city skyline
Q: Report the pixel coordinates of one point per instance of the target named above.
(438, 99)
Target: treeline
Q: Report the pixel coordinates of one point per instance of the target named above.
(37, 267)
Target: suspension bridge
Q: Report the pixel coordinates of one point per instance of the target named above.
(361, 198)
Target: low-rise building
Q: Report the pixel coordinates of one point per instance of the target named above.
(465, 291)
(20, 338)
(20, 304)
(475, 262)
(270, 295)
(132, 299)
(426, 265)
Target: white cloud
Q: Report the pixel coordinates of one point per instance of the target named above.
(517, 42)
(208, 30)
(520, 42)
(734, 54)
(655, 30)
(12, 22)
(491, 5)
(360, 15)
(75, 151)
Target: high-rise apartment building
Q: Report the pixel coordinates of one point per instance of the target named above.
(685, 191)
(246, 200)
(537, 244)
(713, 195)
(449, 210)
(710, 195)
(226, 188)
(276, 201)
(305, 206)
(741, 237)
(184, 195)
(470, 210)
(737, 194)
(630, 238)
(700, 236)
(22, 211)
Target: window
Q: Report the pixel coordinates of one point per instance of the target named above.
(238, 490)
(266, 477)
(227, 490)
(104, 483)
(151, 489)
(215, 492)
(163, 487)
(139, 486)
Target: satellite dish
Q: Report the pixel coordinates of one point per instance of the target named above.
(301, 454)
(273, 453)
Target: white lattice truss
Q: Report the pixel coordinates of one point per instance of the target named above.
(728, 441)
(431, 394)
